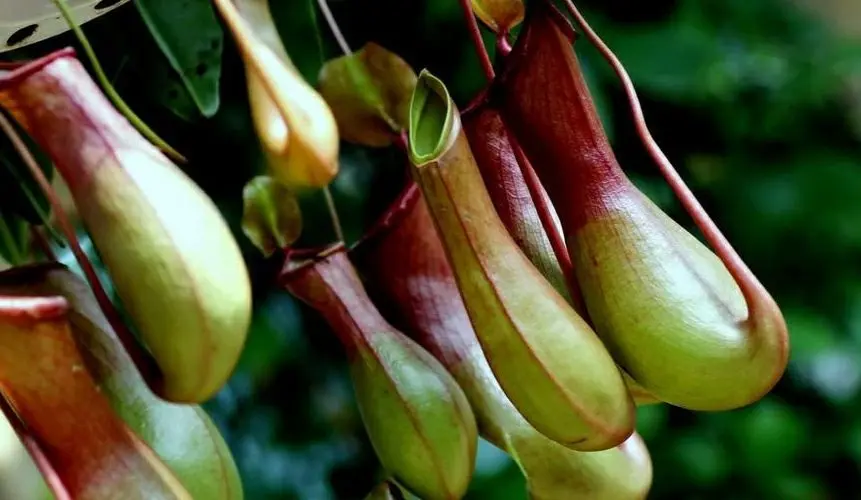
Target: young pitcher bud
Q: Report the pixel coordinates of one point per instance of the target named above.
(295, 126)
(174, 262)
(547, 359)
(667, 308)
(416, 415)
(81, 447)
(183, 436)
(499, 15)
(407, 272)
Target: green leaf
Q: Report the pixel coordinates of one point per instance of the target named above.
(296, 21)
(14, 243)
(164, 86)
(369, 93)
(271, 218)
(190, 36)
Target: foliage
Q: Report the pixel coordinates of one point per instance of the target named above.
(746, 98)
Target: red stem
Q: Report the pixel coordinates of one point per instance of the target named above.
(144, 363)
(557, 241)
(34, 449)
(503, 46)
(475, 34)
(11, 65)
(751, 288)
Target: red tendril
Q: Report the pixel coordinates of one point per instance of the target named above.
(751, 288)
(475, 34)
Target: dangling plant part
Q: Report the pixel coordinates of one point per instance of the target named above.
(271, 217)
(519, 287)
(503, 168)
(669, 311)
(171, 256)
(417, 417)
(406, 271)
(182, 436)
(547, 359)
(294, 124)
(85, 451)
(499, 15)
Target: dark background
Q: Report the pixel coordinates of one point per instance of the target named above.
(751, 100)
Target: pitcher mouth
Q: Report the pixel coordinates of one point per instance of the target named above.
(15, 76)
(299, 260)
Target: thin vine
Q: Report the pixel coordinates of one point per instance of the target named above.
(109, 89)
(755, 294)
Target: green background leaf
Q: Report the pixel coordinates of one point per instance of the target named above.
(14, 239)
(190, 36)
(298, 24)
(19, 193)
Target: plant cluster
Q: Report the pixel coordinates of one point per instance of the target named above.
(520, 287)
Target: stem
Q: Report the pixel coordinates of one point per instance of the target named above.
(333, 25)
(144, 363)
(753, 291)
(557, 240)
(477, 41)
(402, 141)
(503, 46)
(345, 48)
(333, 214)
(34, 449)
(109, 89)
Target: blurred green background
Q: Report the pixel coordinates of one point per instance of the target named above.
(752, 100)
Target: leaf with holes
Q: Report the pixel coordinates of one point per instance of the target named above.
(297, 21)
(190, 36)
(163, 85)
(271, 218)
